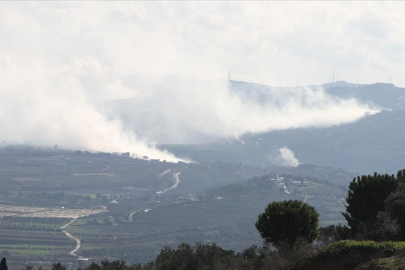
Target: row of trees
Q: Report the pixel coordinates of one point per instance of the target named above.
(202, 257)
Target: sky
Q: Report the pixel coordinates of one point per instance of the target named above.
(275, 43)
(60, 60)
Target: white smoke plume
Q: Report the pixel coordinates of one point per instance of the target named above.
(186, 110)
(60, 62)
(288, 158)
(52, 106)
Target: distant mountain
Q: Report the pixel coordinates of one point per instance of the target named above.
(372, 144)
(171, 109)
(384, 95)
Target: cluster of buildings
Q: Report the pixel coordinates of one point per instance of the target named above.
(280, 182)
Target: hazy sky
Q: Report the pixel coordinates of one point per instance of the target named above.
(60, 60)
(276, 43)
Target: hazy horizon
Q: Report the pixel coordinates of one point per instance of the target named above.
(61, 60)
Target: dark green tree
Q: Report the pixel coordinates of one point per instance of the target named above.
(201, 256)
(93, 266)
(365, 199)
(333, 233)
(401, 176)
(287, 222)
(58, 266)
(104, 199)
(395, 207)
(113, 265)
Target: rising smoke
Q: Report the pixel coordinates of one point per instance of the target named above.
(53, 107)
(61, 63)
(287, 157)
(182, 110)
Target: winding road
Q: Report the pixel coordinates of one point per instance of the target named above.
(177, 180)
(131, 215)
(71, 236)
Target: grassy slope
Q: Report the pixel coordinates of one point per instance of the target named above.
(351, 254)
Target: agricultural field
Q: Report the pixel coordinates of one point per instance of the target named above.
(225, 215)
(25, 238)
(60, 205)
(29, 232)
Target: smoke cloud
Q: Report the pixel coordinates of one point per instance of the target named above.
(52, 107)
(288, 158)
(65, 65)
(183, 110)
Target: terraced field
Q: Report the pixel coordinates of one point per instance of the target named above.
(23, 237)
(26, 232)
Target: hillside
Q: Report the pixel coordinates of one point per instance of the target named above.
(127, 208)
(355, 255)
(373, 143)
(180, 106)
